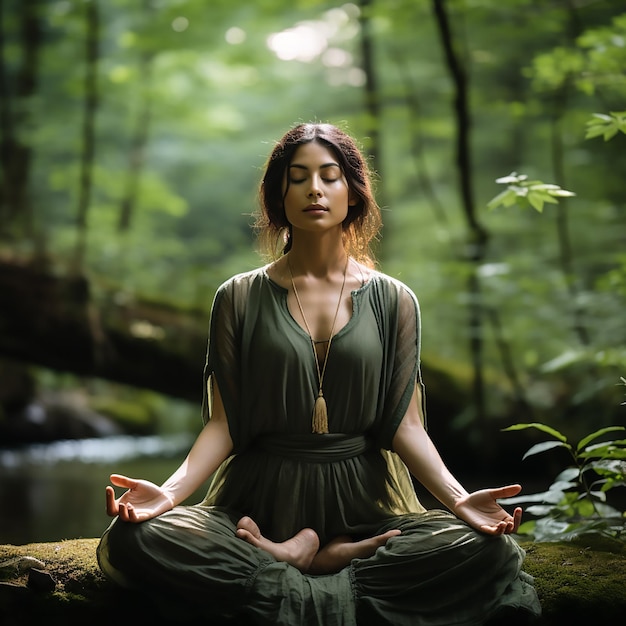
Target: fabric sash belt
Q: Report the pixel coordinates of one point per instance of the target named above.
(314, 448)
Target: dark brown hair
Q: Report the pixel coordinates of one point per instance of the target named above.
(363, 221)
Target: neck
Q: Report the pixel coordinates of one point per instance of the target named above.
(317, 256)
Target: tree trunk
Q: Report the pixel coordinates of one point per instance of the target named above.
(138, 145)
(15, 156)
(478, 236)
(372, 96)
(92, 24)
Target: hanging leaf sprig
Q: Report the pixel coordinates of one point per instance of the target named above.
(606, 125)
(525, 192)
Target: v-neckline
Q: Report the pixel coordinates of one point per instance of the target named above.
(355, 295)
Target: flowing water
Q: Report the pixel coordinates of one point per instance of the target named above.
(50, 492)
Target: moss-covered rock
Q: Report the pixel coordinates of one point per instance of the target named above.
(582, 583)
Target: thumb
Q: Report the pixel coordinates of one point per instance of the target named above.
(506, 492)
(123, 481)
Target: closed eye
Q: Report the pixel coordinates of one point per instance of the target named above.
(296, 181)
(332, 173)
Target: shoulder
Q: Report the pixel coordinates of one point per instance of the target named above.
(234, 293)
(242, 282)
(392, 287)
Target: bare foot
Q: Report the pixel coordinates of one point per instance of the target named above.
(297, 551)
(339, 552)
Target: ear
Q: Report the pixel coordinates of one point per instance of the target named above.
(353, 199)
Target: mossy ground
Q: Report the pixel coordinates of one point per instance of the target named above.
(581, 582)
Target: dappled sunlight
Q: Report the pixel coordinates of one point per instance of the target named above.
(311, 40)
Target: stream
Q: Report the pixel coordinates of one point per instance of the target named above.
(55, 491)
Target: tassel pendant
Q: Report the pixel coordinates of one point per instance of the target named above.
(320, 415)
(320, 412)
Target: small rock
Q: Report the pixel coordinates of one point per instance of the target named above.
(41, 581)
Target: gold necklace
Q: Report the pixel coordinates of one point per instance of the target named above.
(320, 412)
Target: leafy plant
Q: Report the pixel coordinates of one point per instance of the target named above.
(576, 502)
(522, 191)
(606, 125)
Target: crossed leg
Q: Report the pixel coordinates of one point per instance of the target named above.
(302, 550)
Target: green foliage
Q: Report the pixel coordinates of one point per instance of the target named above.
(133, 416)
(215, 95)
(606, 125)
(525, 192)
(575, 503)
(593, 62)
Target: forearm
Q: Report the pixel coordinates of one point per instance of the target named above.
(211, 448)
(418, 452)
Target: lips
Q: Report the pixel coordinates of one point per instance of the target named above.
(314, 208)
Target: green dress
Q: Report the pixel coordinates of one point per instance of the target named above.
(438, 572)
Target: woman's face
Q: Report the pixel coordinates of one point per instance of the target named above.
(318, 195)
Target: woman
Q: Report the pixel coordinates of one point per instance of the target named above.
(312, 418)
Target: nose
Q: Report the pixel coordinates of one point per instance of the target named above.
(315, 190)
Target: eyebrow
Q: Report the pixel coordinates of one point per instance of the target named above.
(325, 165)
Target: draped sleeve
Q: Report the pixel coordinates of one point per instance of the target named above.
(401, 320)
(223, 358)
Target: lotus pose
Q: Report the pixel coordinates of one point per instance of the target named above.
(314, 424)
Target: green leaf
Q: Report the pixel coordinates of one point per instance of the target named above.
(539, 509)
(594, 131)
(513, 177)
(539, 426)
(598, 433)
(506, 198)
(604, 452)
(584, 507)
(536, 201)
(606, 125)
(542, 447)
(560, 486)
(599, 495)
(527, 528)
(568, 474)
(600, 118)
(562, 193)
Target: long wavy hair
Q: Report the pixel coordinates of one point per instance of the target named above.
(363, 222)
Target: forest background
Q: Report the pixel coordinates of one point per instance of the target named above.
(134, 134)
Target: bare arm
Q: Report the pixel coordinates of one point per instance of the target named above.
(210, 449)
(145, 500)
(479, 509)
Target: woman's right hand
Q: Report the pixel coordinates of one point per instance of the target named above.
(143, 500)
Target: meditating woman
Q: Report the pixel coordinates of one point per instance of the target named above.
(313, 414)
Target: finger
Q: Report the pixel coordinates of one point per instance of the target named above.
(489, 530)
(123, 481)
(123, 512)
(111, 504)
(132, 514)
(384, 538)
(517, 519)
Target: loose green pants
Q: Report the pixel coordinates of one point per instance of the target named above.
(438, 572)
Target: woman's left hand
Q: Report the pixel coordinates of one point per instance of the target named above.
(481, 510)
